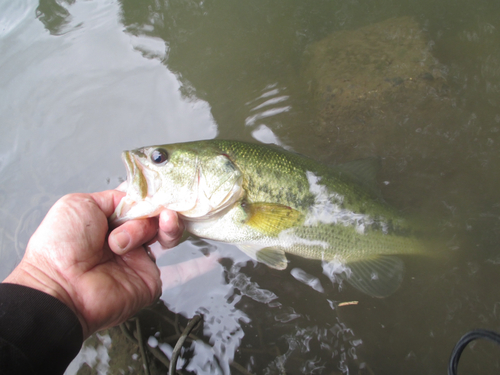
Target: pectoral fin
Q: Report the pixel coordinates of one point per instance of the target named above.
(270, 256)
(272, 218)
(378, 276)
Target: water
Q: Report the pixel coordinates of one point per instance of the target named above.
(80, 81)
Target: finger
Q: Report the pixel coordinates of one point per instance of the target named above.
(170, 229)
(178, 274)
(108, 200)
(132, 234)
(146, 270)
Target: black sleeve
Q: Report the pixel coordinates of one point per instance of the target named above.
(38, 333)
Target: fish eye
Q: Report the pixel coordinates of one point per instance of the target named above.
(159, 156)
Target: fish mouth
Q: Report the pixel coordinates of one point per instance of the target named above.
(136, 187)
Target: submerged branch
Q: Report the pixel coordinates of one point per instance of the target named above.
(177, 349)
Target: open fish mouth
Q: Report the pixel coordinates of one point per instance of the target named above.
(136, 188)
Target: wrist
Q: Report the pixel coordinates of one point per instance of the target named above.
(31, 276)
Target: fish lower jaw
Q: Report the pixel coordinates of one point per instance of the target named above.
(129, 209)
(208, 215)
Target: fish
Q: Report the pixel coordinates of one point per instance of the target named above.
(269, 202)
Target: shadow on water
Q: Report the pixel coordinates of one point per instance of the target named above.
(340, 81)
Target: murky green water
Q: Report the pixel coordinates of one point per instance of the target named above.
(416, 84)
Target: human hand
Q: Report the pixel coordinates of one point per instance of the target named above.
(104, 277)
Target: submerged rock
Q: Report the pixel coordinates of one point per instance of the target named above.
(378, 91)
(373, 78)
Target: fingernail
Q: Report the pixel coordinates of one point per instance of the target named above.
(122, 239)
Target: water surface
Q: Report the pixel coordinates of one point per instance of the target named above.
(414, 84)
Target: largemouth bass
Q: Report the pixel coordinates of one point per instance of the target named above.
(268, 202)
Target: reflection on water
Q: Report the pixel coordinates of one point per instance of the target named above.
(251, 322)
(83, 80)
(53, 15)
(266, 105)
(63, 122)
